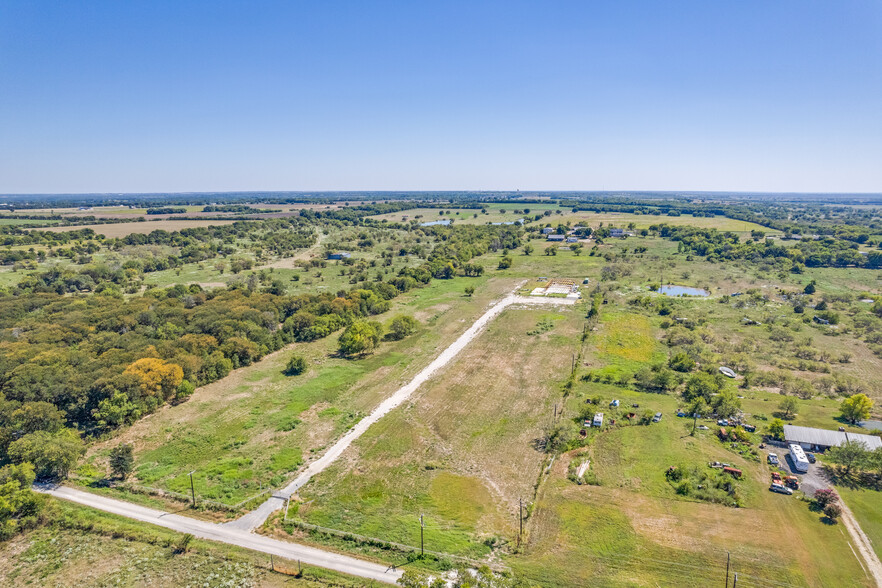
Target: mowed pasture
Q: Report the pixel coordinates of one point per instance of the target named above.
(566, 215)
(254, 428)
(117, 230)
(464, 450)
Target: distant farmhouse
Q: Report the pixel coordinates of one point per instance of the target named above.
(556, 237)
(547, 231)
(620, 233)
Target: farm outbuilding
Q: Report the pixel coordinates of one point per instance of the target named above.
(812, 439)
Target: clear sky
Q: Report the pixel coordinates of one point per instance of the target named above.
(135, 96)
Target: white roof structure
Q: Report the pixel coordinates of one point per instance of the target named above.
(828, 438)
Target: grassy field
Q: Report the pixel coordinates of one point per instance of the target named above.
(632, 528)
(257, 426)
(90, 548)
(122, 229)
(26, 221)
(565, 215)
(462, 452)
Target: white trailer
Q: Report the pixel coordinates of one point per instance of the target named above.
(598, 420)
(800, 461)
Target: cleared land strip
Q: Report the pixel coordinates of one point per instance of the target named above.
(255, 518)
(864, 545)
(231, 536)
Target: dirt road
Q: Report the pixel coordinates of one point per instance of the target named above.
(255, 518)
(224, 534)
(863, 544)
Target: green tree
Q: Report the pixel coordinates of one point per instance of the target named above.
(401, 326)
(726, 403)
(296, 365)
(850, 455)
(53, 455)
(681, 362)
(810, 288)
(551, 250)
(115, 411)
(528, 249)
(697, 407)
(359, 338)
(788, 407)
(776, 428)
(122, 460)
(469, 290)
(505, 262)
(20, 507)
(856, 408)
(576, 248)
(185, 390)
(701, 386)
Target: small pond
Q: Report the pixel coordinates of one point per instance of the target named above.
(682, 291)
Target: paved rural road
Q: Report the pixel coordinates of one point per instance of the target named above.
(225, 534)
(255, 518)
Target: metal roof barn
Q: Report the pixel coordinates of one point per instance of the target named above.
(827, 438)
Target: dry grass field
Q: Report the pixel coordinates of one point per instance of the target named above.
(116, 230)
(463, 451)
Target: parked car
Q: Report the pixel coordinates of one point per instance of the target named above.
(657, 417)
(792, 482)
(723, 423)
(614, 403)
(811, 457)
(702, 428)
(780, 488)
(680, 413)
(773, 459)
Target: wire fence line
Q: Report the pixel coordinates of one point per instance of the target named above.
(181, 497)
(390, 544)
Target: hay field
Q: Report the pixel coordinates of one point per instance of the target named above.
(116, 230)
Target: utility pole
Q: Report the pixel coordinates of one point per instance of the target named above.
(192, 489)
(422, 526)
(727, 569)
(520, 519)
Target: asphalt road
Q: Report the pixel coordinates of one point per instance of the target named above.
(223, 534)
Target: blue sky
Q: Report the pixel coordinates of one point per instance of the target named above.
(211, 96)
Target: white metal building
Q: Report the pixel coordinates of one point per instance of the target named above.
(811, 439)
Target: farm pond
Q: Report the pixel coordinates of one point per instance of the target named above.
(670, 290)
